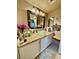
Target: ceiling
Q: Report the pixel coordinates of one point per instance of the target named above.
(44, 5)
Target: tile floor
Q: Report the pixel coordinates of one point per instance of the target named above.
(51, 52)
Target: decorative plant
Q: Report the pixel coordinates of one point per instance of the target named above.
(21, 28)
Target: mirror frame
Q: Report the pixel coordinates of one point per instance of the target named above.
(28, 18)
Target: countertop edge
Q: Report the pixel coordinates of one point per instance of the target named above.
(34, 40)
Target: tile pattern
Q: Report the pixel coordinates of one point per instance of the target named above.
(50, 52)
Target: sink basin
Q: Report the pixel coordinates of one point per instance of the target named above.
(42, 32)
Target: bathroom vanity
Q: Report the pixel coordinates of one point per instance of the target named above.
(34, 45)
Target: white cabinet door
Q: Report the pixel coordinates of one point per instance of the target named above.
(30, 51)
(45, 42)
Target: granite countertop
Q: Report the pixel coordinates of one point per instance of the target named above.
(57, 35)
(34, 37)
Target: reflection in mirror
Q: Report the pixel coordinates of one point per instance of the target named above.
(35, 21)
(52, 23)
(40, 22)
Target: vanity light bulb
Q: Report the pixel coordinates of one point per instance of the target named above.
(51, 18)
(34, 17)
(40, 13)
(33, 10)
(43, 14)
(37, 12)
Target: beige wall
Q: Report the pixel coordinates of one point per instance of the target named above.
(56, 13)
(22, 7)
(21, 16)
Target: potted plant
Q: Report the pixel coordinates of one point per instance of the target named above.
(20, 30)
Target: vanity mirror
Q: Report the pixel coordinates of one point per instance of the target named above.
(53, 23)
(35, 21)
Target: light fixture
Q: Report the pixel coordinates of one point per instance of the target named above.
(33, 10)
(41, 13)
(37, 11)
(52, 18)
(51, 1)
